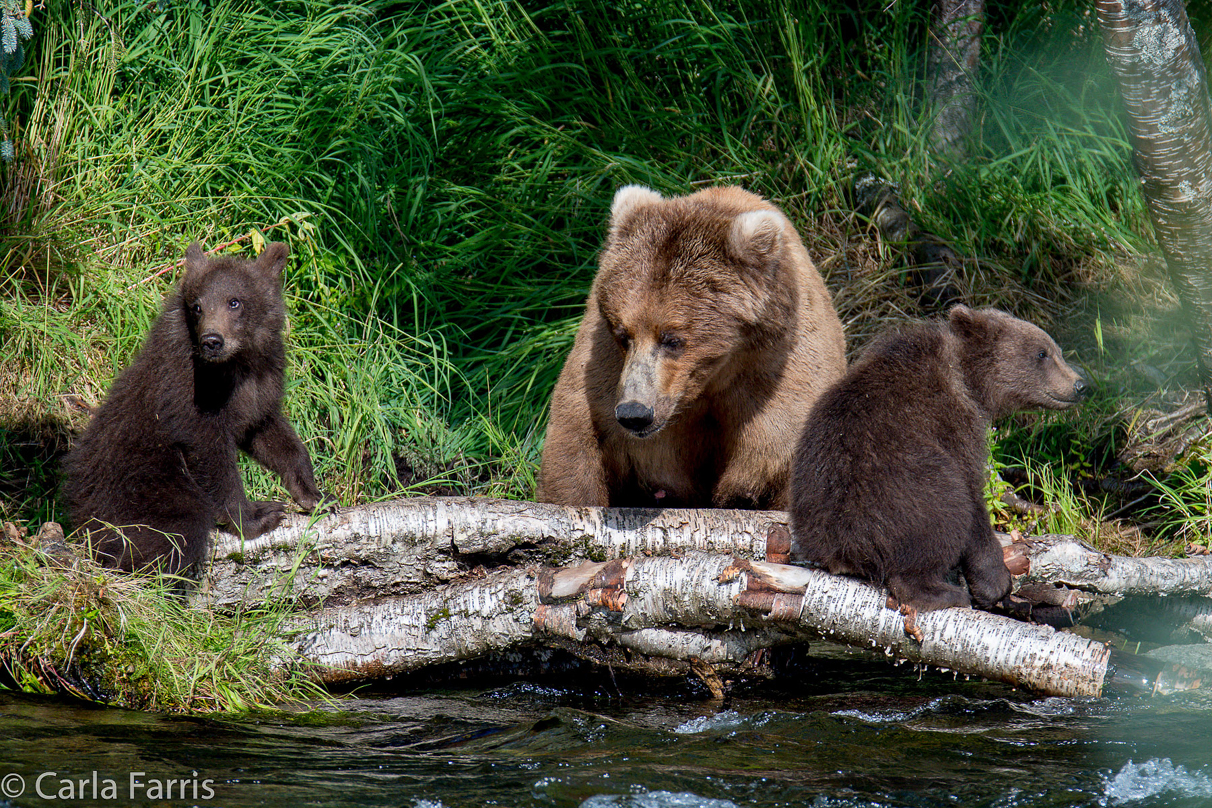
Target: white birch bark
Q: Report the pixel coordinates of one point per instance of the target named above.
(408, 546)
(663, 596)
(1155, 55)
(396, 635)
(1065, 560)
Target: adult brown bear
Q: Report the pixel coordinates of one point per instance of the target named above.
(707, 335)
(890, 473)
(156, 467)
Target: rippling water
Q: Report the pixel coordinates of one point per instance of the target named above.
(843, 732)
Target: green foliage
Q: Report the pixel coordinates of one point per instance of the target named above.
(68, 626)
(443, 173)
(1184, 506)
(15, 30)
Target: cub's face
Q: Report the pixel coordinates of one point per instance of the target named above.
(1021, 366)
(230, 304)
(221, 310)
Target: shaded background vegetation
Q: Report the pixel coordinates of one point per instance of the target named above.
(443, 173)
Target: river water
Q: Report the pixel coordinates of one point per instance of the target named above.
(843, 731)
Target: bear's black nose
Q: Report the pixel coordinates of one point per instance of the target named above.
(1081, 389)
(211, 343)
(634, 416)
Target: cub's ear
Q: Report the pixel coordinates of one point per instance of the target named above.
(755, 235)
(195, 258)
(627, 200)
(272, 259)
(969, 323)
(959, 314)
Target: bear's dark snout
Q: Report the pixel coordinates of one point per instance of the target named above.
(211, 345)
(634, 416)
(1081, 389)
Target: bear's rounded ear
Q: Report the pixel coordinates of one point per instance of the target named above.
(195, 258)
(755, 234)
(959, 313)
(272, 259)
(965, 321)
(629, 199)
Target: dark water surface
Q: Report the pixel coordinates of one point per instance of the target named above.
(843, 732)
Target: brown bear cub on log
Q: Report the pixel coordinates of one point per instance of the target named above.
(890, 473)
(707, 333)
(158, 460)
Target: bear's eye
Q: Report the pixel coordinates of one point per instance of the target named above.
(1042, 355)
(623, 338)
(671, 343)
(197, 308)
(234, 303)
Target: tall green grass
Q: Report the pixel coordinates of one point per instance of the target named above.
(443, 173)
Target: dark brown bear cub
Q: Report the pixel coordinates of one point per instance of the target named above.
(158, 459)
(889, 477)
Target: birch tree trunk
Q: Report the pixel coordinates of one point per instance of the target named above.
(408, 546)
(1065, 560)
(1155, 56)
(955, 55)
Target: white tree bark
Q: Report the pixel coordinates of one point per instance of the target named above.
(408, 546)
(1155, 55)
(1065, 560)
(649, 600)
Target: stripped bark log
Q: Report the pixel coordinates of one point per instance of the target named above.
(1155, 55)
(605, 600)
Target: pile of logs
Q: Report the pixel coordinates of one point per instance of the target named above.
(394, 587)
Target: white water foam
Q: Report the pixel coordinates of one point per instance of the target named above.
(1139, 781)
(724, 720)
(655, 799)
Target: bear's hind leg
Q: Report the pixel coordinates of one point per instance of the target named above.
(985, 569)
(926, 592)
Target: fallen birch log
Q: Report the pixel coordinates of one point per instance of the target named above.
(418, 582)
(606, 601)
(406, 547)
(1056, 559)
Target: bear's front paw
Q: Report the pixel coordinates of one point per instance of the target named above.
(265, 517)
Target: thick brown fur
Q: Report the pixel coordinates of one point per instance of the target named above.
(889, 475)
(707, 334)
(158, 459)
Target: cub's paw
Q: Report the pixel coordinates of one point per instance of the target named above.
(264, 517)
